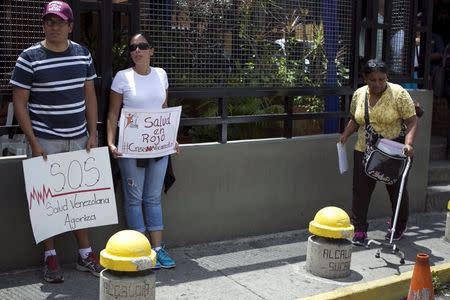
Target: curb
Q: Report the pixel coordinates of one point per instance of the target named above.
(392, 287)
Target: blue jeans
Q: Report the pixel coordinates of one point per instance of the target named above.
(142, 189)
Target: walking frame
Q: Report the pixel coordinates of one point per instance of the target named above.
(394, 249)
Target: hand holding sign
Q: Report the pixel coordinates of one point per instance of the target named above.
(146, 134)
(69, 191)
(114, 151)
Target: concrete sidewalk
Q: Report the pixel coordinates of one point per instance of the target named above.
(263, 267)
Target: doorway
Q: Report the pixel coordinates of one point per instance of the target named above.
(104, 27)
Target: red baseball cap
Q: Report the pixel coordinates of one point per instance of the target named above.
(59, 8)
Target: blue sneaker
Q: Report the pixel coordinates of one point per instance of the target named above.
(157, 265)
(164, 260)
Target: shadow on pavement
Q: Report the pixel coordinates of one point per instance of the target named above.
(248, 260)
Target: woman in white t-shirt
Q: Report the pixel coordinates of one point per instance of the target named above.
(143, 87)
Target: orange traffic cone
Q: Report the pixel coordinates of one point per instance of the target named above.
(421, 287)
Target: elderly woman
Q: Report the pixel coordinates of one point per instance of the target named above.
(143, 87)
(390, 109)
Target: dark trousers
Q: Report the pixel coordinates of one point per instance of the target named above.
(363, 187)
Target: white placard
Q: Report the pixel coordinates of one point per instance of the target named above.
(342, 158)
(145, 134)
(69, 191)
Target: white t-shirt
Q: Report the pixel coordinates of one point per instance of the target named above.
(141, 91)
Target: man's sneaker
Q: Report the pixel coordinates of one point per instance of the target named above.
(398, 234)
(89, 264)
(52, 271)
(163, 258)
(359, 238)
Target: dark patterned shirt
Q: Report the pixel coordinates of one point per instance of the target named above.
(56, 83)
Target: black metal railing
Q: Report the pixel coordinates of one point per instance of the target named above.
(223, 119)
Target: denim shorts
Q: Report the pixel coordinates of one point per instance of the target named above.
(54, 146)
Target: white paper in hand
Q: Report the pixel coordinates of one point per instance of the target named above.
(342, 156)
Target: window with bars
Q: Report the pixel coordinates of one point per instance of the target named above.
(20, 27)
(385, 34)
(400, 43)
(234, 43)
(248, 43)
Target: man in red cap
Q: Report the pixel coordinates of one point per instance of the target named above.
(56, 107)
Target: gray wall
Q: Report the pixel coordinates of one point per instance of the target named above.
(227, 191)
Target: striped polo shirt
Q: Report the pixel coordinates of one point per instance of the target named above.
(56, 83)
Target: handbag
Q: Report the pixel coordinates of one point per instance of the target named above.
(385, 167)
(383, 159)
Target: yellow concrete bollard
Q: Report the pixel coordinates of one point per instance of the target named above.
(329, 251)
(447, 226)
(128, 260)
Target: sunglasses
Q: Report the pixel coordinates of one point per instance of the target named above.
(141, 46)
